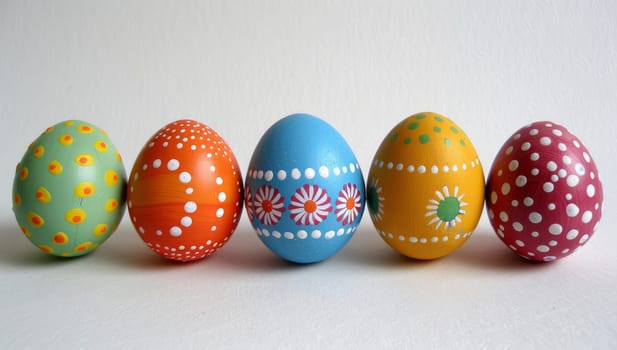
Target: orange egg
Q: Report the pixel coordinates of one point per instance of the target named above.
(425, 187)
(185, 191)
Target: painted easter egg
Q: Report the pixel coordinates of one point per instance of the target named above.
(304, 189)
(69, 189)
(425, 187)
(544, 195)
(185, 191)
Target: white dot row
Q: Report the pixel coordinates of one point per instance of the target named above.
(296, 174)
(303, 234)
(424, 240)
(422, 169)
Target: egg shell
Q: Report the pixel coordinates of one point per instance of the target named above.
(544, 195)
(304, 189)
(185, 191)
(69, 189)
(425, 187)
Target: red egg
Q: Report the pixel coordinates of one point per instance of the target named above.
(185, 191)
(544, 195)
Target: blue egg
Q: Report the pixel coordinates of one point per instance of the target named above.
(304, 191)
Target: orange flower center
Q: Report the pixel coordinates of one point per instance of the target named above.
(310, 206)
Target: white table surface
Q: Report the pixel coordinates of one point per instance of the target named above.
(131, 67)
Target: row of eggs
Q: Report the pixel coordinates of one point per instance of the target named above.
(304, 192)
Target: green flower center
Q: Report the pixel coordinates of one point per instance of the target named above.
(373, 200)
(448, 209)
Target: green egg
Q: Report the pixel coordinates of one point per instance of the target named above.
(69, 189)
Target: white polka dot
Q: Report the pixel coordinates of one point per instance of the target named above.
(513, 165)
(562, 173)
(190, 207)
(535, 217)
(493, 197)
(568, 196)
(535, 234)
(323, 171)
(179, 145)
(337, 171)
(219, 180)
(213, 228)
(534, 156)
(260, 174)
(557, 132)
(525, 146)
(521, 181)
(389, 166)
(295, 173)
(175, 231)
(505, 188)
(446, 169)
(302, 234)
(549, 258)
(288, 235)
(587, 216)
(565, 251)
(592, 175)
(309, 173)
(213, 168)
(434, 239)
(555, 229)
(514, 203)
(517, 226)
(503, 216)
(330, 235)
(455, 168)
(579, 168)
(535, 171)
(500, 172)
(591, 191)
(222, 196)
(268, 175)
(586, 157)
(141, 230)
(281, 175)
(340, 232)
(186, 221)
(434, 169)
(548, 187)
(220, 212)
(421, 169)
(411, 168)
(562, 147)
(519, 243)
(576, 143)
(316, 234)
(572, 210)
(552, 243)
(551, 166)
(583, 239)
(464, 166)
(566, 160)
(572, 180)
(184, 177)
(554, 178)
(533, 132)
(159, 232)
(542, 248)
(173, 164)
(156, 163)
(509, 150)
(551, 206)
(189, 190)
(276, 234)
(352, 167)
(165, 144)
(545, 141)
(528, 201)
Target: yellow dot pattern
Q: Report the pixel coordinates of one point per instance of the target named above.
(84, 189)
(55, 167)
(42, 195)
(68, 189)
(39, 151)
(100, 146)
(84, 159)
(75, 216)
(66, 140)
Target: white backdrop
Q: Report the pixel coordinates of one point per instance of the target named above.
(130, 67)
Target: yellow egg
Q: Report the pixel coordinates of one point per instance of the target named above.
(425, 187)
